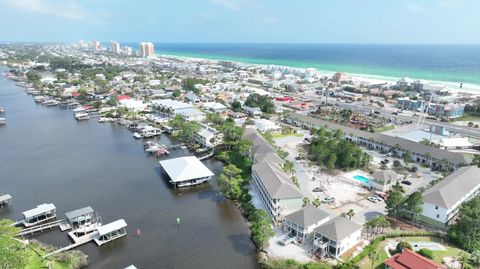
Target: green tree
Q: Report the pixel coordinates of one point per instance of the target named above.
(288, 167)
(230, 182)
(236, 106)
(112, 101)
(373, 256)
(395, 200)
(414, 204)
(33, 76)
(425, 252)
(12, 252)
(476, 160)
(176, 93)
(401, 245)
(350, 213)
(407, 156)
(261, 228)
(306, 201)
(466, 230)
(317, 202)
(263, 102)
(214, 118)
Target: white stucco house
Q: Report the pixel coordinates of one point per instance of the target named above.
(442, 202)
(264, 125)
(208, 136)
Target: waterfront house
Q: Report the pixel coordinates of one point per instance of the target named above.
(208, 136)
(423, 154)
(409, 259)
(336, 236)
(442, 202)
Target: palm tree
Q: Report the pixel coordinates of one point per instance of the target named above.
(373, 256)
(350, 214)
(306, 201)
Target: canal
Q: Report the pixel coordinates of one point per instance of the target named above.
(46, 156)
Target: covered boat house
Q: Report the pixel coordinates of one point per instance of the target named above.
(41, 213)
(78, 218)
(5, 200)
(110, 232)
(186, 171)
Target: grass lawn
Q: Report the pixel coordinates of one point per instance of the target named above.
(384, 129)
(36, 261)
(438, 255)
(286, 135)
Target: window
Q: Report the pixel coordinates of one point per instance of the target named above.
(436, 207)
(438, 216)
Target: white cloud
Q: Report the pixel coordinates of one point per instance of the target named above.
(447, 3)
(228, 4)
(67, 9)
(413, 7)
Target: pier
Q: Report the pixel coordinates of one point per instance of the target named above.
(40, 228)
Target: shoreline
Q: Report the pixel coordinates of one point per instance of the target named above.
(468, 88)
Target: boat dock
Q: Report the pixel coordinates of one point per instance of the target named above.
(40, 228)
(209, 155)
(40, 214)
(78, 242)
(5, 200)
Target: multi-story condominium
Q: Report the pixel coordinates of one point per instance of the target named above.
(420, 153)
(442, 202)
(278, 194)
(115, 47)
(146, 49)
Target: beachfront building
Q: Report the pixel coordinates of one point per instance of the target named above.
(264, 125)
(208, 136)
(442, 202)
(186, 171)
(423, 154)
(406, 103)
(409, 259)
(446, 111)
(301, 223)
(279, 196)
(146, 49)
(115, 47)
(336, 236)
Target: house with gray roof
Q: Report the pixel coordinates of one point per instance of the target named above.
(336, 236)
(442, 202)
(301, 223)
(277, 192)
(382, 180)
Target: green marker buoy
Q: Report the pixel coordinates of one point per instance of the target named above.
(178, 221)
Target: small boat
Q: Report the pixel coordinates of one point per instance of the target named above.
(39, 99)
(2, 121)
(82, 116)
(105, 119)
(137, 135)
(2, 110)
(51, 102)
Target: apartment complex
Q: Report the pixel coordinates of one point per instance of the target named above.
(278, 194)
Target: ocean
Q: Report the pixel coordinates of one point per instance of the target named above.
(444, 63)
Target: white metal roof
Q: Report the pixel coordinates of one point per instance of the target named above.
(39, 210)
(185, 168)
(131, 267)
(5, 198)
(112, 226)
(79, 212)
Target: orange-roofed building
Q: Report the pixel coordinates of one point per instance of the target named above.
(409, 259)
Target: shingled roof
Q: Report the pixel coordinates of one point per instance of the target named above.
(310, 215)
(450, 190)
(338, 228)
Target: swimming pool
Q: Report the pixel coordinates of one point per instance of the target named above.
(361, 178)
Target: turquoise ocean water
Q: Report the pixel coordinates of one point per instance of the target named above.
(446, 63)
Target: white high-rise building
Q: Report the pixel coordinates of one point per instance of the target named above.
(115, 46)
(96, 45)
(146, 49)
(127, 50)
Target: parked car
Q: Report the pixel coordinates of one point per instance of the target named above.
(406, 182)
(317, 189)
(374, 199)
(328, 200)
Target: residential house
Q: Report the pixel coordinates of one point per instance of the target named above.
(264, 125)
(336, 236)
(301, 223)
(409, 259)
(382, 180)
(208, 136)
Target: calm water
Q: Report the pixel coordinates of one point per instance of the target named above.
(46, 156)
(449, 63)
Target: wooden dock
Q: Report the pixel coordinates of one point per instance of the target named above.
(78, 242)
(40, 228)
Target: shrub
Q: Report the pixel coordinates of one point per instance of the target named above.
(425, 252)
(401, 245)
(413, 169)
(397, 163)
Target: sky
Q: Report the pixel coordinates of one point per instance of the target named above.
(242, 21)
